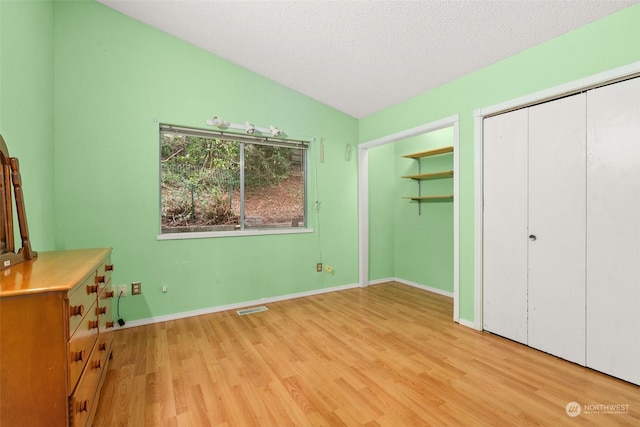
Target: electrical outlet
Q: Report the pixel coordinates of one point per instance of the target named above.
(136, 288)
(164, 289)
(122, 290)
(328, 269)
(319, 267)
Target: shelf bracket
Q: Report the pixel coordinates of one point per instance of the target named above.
(419, 187)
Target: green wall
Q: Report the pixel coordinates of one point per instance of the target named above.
(406, 241)
(115, 79)
(605, 44)
(424, 240)
(26, 108)
(82, 89)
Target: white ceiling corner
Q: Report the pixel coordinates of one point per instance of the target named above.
(360, 57)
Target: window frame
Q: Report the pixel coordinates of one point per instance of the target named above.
(241, 138)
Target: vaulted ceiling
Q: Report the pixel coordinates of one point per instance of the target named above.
(363, 56)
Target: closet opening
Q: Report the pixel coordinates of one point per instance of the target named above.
(408, 209)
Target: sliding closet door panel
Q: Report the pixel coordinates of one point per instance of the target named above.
(557, 186)
(505, 225)
(613, 230)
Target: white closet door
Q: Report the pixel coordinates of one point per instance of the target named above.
(557, 186)
(505, 225)
(613, 230)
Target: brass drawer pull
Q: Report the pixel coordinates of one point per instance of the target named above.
(101, 310)
(109, 294)
(109, 325)
(100, 279)
(92, 289)
(93, 324)
(108, 267)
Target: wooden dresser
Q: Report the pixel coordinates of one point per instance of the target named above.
(55, 337)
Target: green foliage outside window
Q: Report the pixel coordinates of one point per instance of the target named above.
(200, 179)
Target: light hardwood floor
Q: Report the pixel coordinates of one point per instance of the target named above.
(385, 355)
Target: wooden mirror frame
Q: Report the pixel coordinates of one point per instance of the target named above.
(10, 177)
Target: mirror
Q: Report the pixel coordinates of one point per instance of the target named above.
(10, 179)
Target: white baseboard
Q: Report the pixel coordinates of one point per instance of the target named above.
(425, 287)
(380, 281)
(414, 284)
(185, 314)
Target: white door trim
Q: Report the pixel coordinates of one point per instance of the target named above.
(600, 79)
(363, 198)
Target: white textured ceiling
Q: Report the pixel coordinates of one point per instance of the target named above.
(363, 56)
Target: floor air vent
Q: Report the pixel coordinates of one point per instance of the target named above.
(252, 310)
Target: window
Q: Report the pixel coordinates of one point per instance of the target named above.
(219, 182)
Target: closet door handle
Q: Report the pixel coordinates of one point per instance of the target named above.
(532, 237)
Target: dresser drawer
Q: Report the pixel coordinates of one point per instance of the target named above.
(83, 401)
(81, 344)
(80, 300)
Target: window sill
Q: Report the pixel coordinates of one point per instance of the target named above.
(239, 233)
